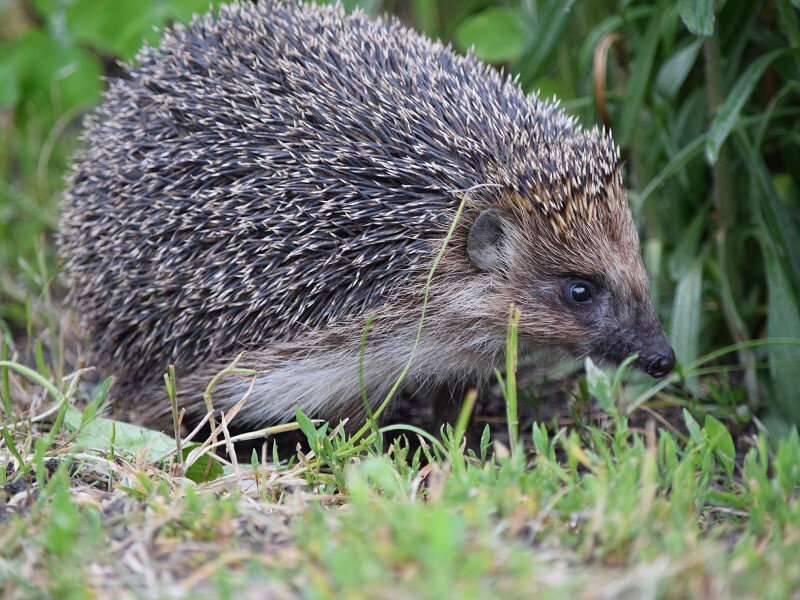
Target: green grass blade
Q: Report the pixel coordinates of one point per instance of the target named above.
(783, 319)
(511, 378)
(642, 71)
(698, 16)
(686, 311)
(725, 119)
(552, 19)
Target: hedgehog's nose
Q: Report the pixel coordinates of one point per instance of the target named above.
(661, 363)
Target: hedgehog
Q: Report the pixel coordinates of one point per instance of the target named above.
(272, 176)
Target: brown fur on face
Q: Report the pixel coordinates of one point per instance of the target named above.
(547, 246)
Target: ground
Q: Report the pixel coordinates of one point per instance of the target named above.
(593, 496)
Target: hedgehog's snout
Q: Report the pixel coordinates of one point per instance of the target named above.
(660, 360)
(655, 356)
(644, 336)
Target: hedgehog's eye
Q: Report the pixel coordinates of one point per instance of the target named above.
(579, 292)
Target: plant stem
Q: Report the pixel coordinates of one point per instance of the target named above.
(511, 378)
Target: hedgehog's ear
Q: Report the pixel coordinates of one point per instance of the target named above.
(489, 241)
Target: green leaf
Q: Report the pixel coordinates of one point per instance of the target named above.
(541, 442)
(680, 261)
(778, 220)
(693, 427)
(668, 450)
(307, 427)
(783, 321)
(686, 311)
(719, 497)
(642, 71)
(5, 383)
(628, 17)
(787, 465)
(131, 439)
(183, 10)
(426, 13)
(53, 75)
(682, 158)
(698, 16)
(118, 28)
(370, 7)
(551, 20)
(46, 8)
(9, 90)
(98, 397)
(675, 69)
(41, 364)
(100, 393)
(721, 441)
(727, 115)
(486, 441)
(205, 468)
(64, 523)
(496, 34)
(599, 385)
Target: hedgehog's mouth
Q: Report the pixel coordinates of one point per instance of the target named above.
(655, 356)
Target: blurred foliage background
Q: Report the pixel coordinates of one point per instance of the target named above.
(702, 97)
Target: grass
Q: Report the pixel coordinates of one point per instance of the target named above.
(584, 484)
(599, 509)
(701, 96)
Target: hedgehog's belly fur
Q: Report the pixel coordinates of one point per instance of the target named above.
(319, 372)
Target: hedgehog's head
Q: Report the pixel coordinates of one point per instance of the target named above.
(566, 252)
